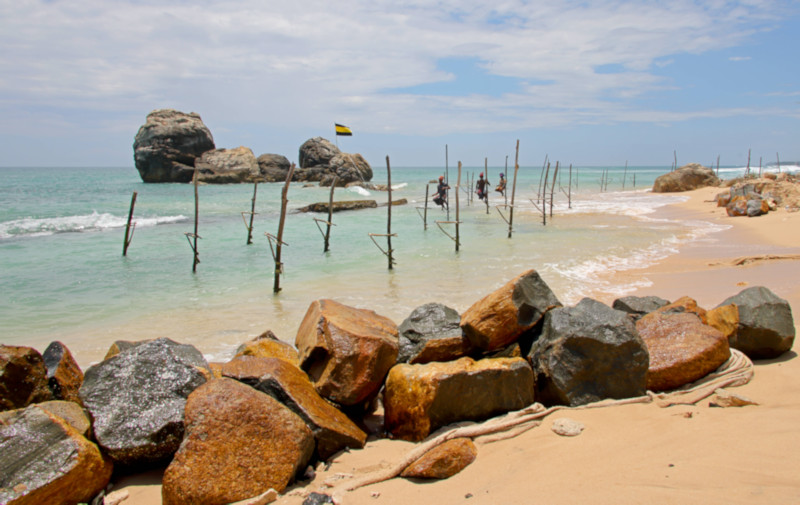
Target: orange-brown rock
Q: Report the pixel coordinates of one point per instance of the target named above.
(500, 317)
(64, 376)
(684, 304)
(724, 318)
(737, 206)
(23, 377)
(239, 443)
(269, 348)
(443, 461)
(421, 398)
(43, 460)
(289, 385)
(215, 369)
(346, 351)
(682, 349)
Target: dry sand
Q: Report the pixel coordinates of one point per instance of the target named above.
(635, 454)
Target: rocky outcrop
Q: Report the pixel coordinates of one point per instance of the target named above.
(432, 332)
(443, 461)
(289, 385)
(422, 398)
(228, 166)
(346, 351)
(637, 306)
(23, 377)
(682, 349)
(339, 206)
(64, 376)
(686, 178)
(273, 167)
(43, 460)
(166, 146)
(136, 399)
(320, 160)
(588, 353)
(499, 318)
(766, 326)
(239, 443)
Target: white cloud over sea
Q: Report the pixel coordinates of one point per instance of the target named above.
(399, 67)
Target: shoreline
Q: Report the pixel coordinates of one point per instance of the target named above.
(634, 453)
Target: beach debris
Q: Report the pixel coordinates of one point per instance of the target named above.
(432, 332)
(64, 376)
(288, 384)
(238, 442)
(136, 399)
(686, 178)
(567, 427)
(724, 398)
(23, 377)
(766, 326)
(682, 349)
(333, 479)
(346, 351)
(269, 348)
(323, 207)
(607, 358)
(375, 494)
(443, 461)
(166, 146)
(637, 306)
(227, 166)
(501, 317)
(68, 468)
(116, 497)
(419, 399)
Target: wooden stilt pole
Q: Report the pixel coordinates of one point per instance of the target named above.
(447, 178)
(778, 156)
(487, 186)
(748, 162)
(718, 165)
(330, 215)
(513, 192)
(675, 155)
(544, 196)
(389, 215)
(252, 214)
(458, 185)
(505, 178)
(569, 187)
(552, 190)
(128, 228)
(276, 287)
(624, 175)
(541, 175)
(192, 237)
(425, 215)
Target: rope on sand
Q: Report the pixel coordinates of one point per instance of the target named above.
(736, 371)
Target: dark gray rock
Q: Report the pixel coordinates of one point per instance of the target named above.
(274, 167)
(64, 376)
(316, 151)
(638, 306)
(167, 145)
(754, 207)
(588, 353)
(318, 499)
(432, 332)
(44, 461)
(137, 397)
(766, 326)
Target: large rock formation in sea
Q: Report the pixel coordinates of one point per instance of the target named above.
(686, 178)
(321, 161)
(167, 145)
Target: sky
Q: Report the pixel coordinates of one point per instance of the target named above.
(591, 82)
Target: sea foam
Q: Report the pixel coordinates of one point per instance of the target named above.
(37, 227)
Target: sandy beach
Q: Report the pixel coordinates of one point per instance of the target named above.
(636, 453)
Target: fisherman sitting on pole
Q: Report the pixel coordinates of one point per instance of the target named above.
(441, 193)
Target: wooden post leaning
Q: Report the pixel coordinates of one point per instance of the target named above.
(330, 215)
(129, 229)
(276, 252)
(552, 190)
(252, 214)
(513, 192)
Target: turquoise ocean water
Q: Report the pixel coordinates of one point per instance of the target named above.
(64, 277)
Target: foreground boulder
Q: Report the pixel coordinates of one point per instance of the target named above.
(588, 353)
(320, 160)
(136, 399)
(239, 443)
(499, 318)
(686, 178)
(682, 349)
(346, 351)
(64, 376)
(422, 398)
(432, 332)
(228, 166)
(23, 377)
(443, 461)
(167, 145)
(766, 326)
(43, 460)
(289, 385)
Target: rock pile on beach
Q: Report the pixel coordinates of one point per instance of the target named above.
(755, 197)
(172, 144)
(230, 431)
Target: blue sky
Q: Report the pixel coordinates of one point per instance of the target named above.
(584, 82)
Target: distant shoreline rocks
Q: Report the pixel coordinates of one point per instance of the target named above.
(171, 145)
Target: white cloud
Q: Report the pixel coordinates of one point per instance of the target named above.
(739, 58)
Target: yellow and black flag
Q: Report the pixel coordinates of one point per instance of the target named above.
(342, 130)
